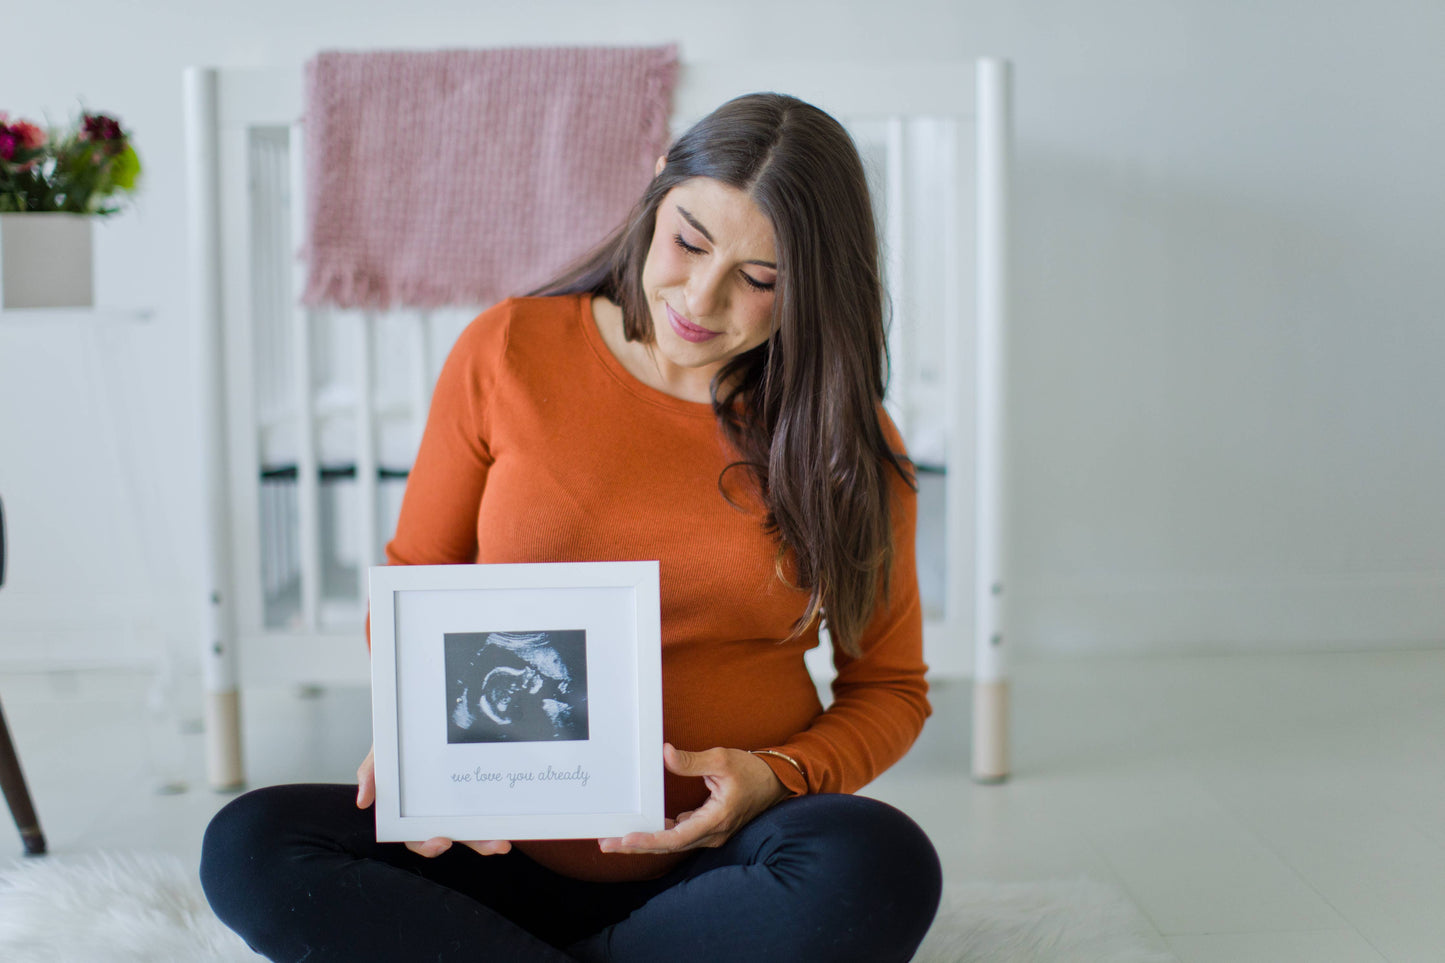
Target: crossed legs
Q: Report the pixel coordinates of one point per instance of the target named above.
(297, 871)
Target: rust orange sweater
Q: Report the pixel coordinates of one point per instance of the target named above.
(541, 447)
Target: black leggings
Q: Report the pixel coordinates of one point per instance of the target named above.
(297, 871)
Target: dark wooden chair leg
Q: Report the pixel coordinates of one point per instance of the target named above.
(12, 780)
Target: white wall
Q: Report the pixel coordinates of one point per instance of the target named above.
(1227, 351)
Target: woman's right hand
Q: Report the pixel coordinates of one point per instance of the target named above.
(366, 795)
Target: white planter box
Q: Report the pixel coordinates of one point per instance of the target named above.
(45, 261)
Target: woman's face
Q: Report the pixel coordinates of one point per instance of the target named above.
(709, 278)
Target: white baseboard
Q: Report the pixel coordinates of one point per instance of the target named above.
(1136, 616)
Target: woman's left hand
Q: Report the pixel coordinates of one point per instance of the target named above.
(742, 786)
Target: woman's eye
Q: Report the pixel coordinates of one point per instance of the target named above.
(757, 285)
(686, 246)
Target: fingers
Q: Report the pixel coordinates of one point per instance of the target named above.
(431, 848)
(366, 780)
(740, 786)
(684, 763)
(434, 847)
(678, 761)
(708, 825)
(684, 836)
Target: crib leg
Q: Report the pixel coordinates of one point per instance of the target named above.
(990, 731)
(223, 739)
(990, 686)
(217, 638)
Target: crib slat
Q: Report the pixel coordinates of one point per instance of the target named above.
(421, 384)
(366, 487)
(308, 494)
(896, 234)
(958, 335)
(271, 234)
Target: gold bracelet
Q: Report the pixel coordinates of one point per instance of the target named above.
(786, 758)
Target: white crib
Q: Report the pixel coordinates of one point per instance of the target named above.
(316, 414)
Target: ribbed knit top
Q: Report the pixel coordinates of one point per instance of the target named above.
(541, 447)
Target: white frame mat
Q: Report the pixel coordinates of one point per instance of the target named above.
(596, 773)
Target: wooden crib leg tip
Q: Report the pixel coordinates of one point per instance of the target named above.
(990, 732)
(223, 741)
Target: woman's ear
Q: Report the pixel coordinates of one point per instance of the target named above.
(661, 163)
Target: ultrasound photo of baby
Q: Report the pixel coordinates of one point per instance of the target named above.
(516, 686)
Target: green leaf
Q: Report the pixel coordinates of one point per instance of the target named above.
(126, 169)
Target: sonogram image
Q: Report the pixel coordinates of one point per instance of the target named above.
(516, 686)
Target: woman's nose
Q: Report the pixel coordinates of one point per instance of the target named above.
(705, 293)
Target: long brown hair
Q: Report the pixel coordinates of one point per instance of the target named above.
(802, 409)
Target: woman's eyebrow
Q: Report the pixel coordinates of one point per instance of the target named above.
(697, 226)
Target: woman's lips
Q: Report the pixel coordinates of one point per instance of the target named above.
(686, 329)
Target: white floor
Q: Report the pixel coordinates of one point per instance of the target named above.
(1256, 808)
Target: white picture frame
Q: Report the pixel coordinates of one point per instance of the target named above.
(516, 701)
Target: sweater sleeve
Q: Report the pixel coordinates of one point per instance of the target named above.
(880, 699)
(438, 520)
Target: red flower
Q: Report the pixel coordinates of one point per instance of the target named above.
(8, 143)
(30, 136)
(101, 127)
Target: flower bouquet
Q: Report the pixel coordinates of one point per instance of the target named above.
(53, 185)
(75, 171)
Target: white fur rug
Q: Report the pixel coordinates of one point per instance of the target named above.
(111, 908)
(148, 908)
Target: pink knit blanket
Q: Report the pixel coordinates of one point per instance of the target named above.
(464, 176)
